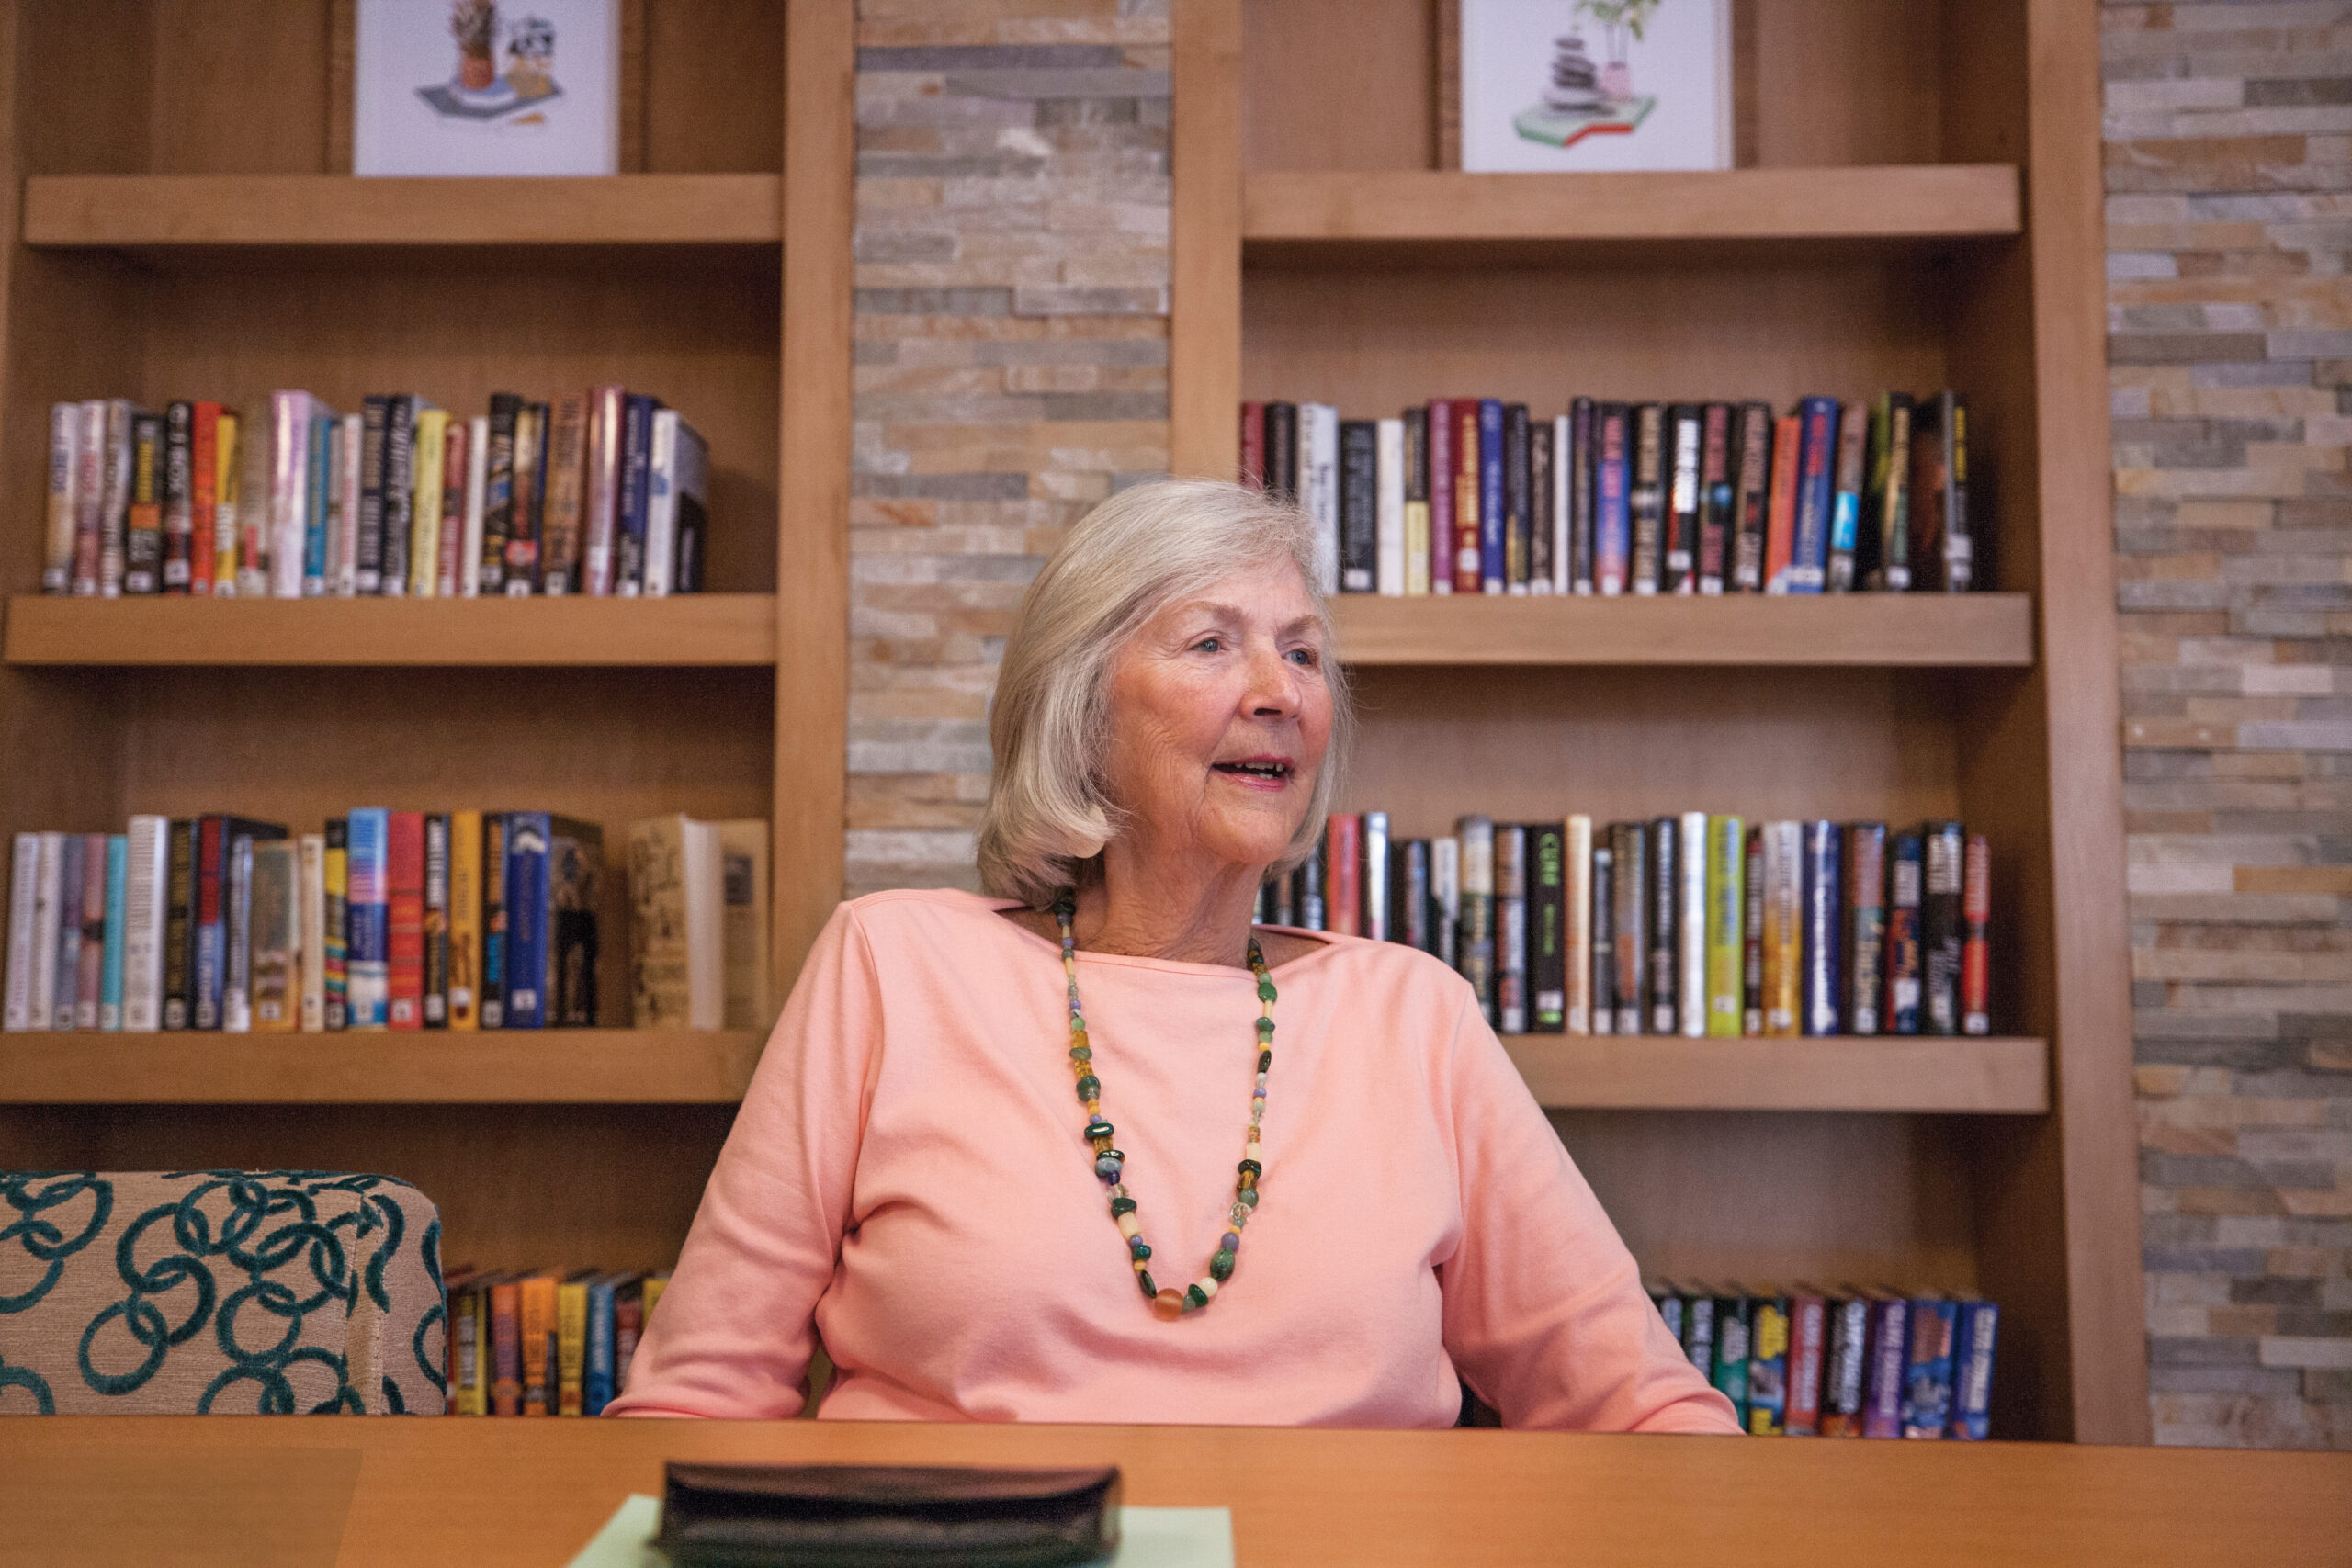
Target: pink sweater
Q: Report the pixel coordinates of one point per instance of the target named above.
(908, 1177)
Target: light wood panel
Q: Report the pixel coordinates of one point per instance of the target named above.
(679, 631)
(150, 212)
(1204, 241)
(1949, 631)
(1882, 1073)
(529, 1066)
(496, 1493)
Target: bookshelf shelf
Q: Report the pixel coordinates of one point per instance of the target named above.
(1965, 1074)
(140, 212)
(521, 1067)
(684, 631)
(1861, 630)
(1377, 215)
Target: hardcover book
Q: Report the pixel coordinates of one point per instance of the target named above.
(1816, 495)
(1751, 962)
(1603, 925)
(147, 876)
(1373, 876)
(1664, 920)
(368, 942)
(1683, 453)
(435, 999)
(1865, 925)
(179, 925)
(1692, 930)
(274, 936)
(1727, 914)
(1976, 1327)
(1494, 521)
(405, 900)
(1767, 1365)
(1477, 959)
(1845, 1365)
(1359, 506)
(1645, 497)
(1518, 483)
(1903, 881)
(498, 492)
(1579, 463)
(1846, 501)
(1890, 485)
(1511, 928)
(1889, 1335)
(1825, 883)
(335, 944)
(1416, 499)
(1342, 873)
(1633, 934)
(1548, 938)
(465, 920)
(1926, 1372)
(1443, 527)
(1578, 909)
(1612, 538)
(1976, 950)
(1941, 929)
(567, 495)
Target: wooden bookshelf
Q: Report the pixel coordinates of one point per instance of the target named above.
(1968, 1075)
(530, 1066)
(161, 212)
(1863, 631)
(681, 631)
(1916, 206)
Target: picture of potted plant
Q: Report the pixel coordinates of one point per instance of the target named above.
(1620, 21)
(474, 24)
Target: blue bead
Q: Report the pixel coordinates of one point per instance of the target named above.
(1230, 1241)
(1107, 1165)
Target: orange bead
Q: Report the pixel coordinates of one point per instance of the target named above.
(1168, 1306)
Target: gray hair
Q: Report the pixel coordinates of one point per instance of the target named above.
(1050, 723)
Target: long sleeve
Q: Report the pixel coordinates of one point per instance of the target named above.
(732, 1338)
(1545, 1311)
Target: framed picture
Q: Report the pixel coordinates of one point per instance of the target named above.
(1563, 85)
(486, 87)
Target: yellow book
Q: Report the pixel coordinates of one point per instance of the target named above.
(424, 529)
(224, 505)
(1726, 915)
(465, 918)
(1783, 926)
(571, 1341)
(536, 1320)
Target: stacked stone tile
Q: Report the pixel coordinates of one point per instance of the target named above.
(2229, 180)
(1013, 279)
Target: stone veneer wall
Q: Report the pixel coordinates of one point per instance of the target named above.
(2229, 211)
(1013, 277)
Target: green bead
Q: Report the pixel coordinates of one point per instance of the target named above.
(1221, 1267)
(1194, 1298)
(1265, 990)
(1122, 1206)
(1149, 1289)
(1077, 1024)
(1081, 1052)
(1265, 1029)
(1089, 1087)
(1252, 1167)
(1265, 1060)
(1250, 1195)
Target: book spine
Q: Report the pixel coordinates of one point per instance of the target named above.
(1547, 929)
(1416, 465)
(1375, 874)
(209, 941)
(637, 441)
(497, 492)
(1412, 924)
(1564, 449)
(661, 505)
(1358, 506)
(1692, 926)
(465, 918)
(1633, 904)
(1477, 931)
(24, 892)
(89, 496)
(1445, 901)
(1780, 514)
(493, 920)
(1894, 506)
(596, 1369)
(89, 933)
(506, 1349)
(274, 937)
(114, 500)
(1808, 1337)
(1519, 499)
(526, 516)
(1823, 928)
(1646, 497)
(1783, 926)
(1942, 929)
(572, 1342)
(1699, 1334)
(1976, 1327)
(1544, 503)
(179, 926)
(1469, 551)
(1342, 861)
(350, 469)
(1441, 427)
(434, 948)
(289, 491)
(1751, 960)
(318, 514)
(606, 407)
(470, 548)
(1388, 507)
(1767, 1367)
(49, 888)
(369, 939)
(1865, 975)
(1683, 456)
(1318, 475)
(334, 932)
(1733, 1340)
(65, 514)
(1511, 928)
(1253, 445)
(1725, 857)
(1282, 452)
(115, 903)
(1903, 882)
(527, 834)
(179, 492)
(337, 516)
(1844, 1367)
(1751, 495)
(1665, 925)
(567, 495)
(242, 522)
(469, 1337)
(1959, 541)
(575, 863)
(1889, 1351)
(1580, 475)
(146, 878)
(1846, 501)
(142, 544)
(404, 932)
(1717, 517)
(1493, 520)
(1927, 1373)
(237, 936)
(456, 457)
(399, 487)
(1601, 921)
(1977, 945)
(1612, 524)
(428, 463)
(1816, 480)
(367, 546)
(1577, 925)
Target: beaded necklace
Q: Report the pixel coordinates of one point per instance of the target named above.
(1166, 1304)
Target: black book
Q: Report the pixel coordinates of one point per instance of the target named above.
(179, 923)
(1685, 437)
(436, 920)
(335, 942)
(1602, 918)
(1718, 516)
(1941, 929)
(498, 490)
(1542, 526)
(367, 547)
(1751, 496)
(1281, 451)
(1359, 506)
(1665, 897)
(1865, 925)
(179, 495)
(142, 538)
(1632, 843)
(1306, 897)
(1408, 883)
(1645, 498)
(1373, 903)
(397, 489)
(1547, 928)
(1518, 521)
(1580, 460)
(1751, 947)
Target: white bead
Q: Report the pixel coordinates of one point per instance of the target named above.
(1249, 1151)
(1129, 1226)
(1209, 1288)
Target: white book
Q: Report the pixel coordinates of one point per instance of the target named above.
(289, 470)
(662, 507)
(1561, 491)
(1578, 891)
(47, 893)
(343, 574)
(24, 886)
(310, 931)
(477, 484)
(1388, 466)
(1690, 927)
(145, 886)
(64, 473)
(1318, 484)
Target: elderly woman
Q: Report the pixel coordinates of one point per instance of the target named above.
(1095, 1149)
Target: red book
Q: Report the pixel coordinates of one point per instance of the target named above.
(405, 873)
(204, 492)
(1466, 520)
(1441, 496)
(1343, 875)
(1253, 445)
(1781, 517)
(1808, 1332)
(1976, 946)
(506, 1348)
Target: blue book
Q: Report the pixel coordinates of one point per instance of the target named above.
(1926, 1372)
(314, 505)
(110, 975)
(1823, 968)
(1612, 525)
(367, 914)
(1816, 490)
(1493, 526)
(1975, 1325)
(597, 1374)
(526, 919)
(636, 487)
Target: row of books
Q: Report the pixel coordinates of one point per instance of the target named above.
(599, 492)
(543, 1344)
(1688, 924)
(1473, 496)
(1842, 1364)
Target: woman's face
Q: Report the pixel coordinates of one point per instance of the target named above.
(1219, 717)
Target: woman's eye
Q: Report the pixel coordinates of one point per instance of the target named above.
(1303, 656)
(1209, 645)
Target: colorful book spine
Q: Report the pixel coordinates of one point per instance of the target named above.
(399, 489)
(66, 940)
(435, 954)
(404, 898)
(274, 936)
(1727, 916)
(335, 935)
(456, 552)
(1693, 930)
(114, 901)
(493, 920)
(204, 469)
(1417, 498)
(1927, 1371)
(427, 469)
(237, 923)
(1476, 960)
(1445, 901)
(1439, 421)
(1343, 861)
(1781, 507)
(1890, 1341)
(1824, 884)
(1411, 925)
(465, 920)
(240, 521)
(497, 492)
(64, 476)
(1511, 928)
(1318, 481)
(1645, 498)
(1374, 877)
(1578, 923)
(1902, 883)
(1976, 938)
(1767, 1365)
(89, 496)
(1865, 925)
(1547, 932)
(1632, 876)
(1718, 498)
(637, 452)
(528, 833)
(179, 925)
(1253, 445)
(1469, 499)
(1520, 559)
(469, 548)
(1783, 925)
(1602, 921)
(146, 887)
(180, 504)
(41, 1004)
(1942, 929)
(209, 935)
(1808, 1340)
(571, 1346)
(1752, 497)
(526, 515)
(1612, 536)
(1734, 1336)
(142, 542)
(1845, 1367)
(318, 511)
(1390, 482)
(1579, 465)
(1976, 1327)
(290, 489)
(367, 555)
(598, 1381)
(470, 1370)
(1891, 485)
(1816, 486)
(85, 935)
(1683, 455)
(369, 939)
(351, 469)
(313, 927)
(1957, 554)
(1699, 1334)
(535, 1308)
(1665, 924)
(506, 1348)
(1846, 500)
(607, 408)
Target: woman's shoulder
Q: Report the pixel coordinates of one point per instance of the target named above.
(928, 910)
(1378, 970)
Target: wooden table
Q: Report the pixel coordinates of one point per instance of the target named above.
(307, 1491)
